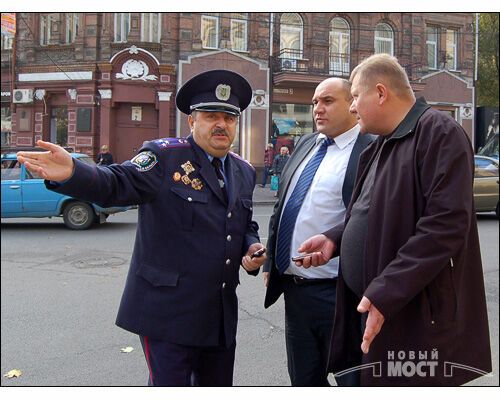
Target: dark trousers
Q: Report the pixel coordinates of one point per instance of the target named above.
(265, 175)
(309, 311)
(172, 364)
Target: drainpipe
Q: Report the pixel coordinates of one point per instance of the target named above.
(474, 95)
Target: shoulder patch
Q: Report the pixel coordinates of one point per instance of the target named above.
(238, 157)
(144, 161)
(166, 143)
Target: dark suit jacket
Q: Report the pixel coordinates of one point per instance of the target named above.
(304, 146)
(184, 270)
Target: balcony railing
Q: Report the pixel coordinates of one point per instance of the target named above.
(291, 60)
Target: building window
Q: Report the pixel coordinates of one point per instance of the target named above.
(122, 27)
(7, 42)
(239, 32)
(290, 122)
(151, 27)
(209, 32)
(339, 47)
(45, 28)
(291, 40)
(384, 39)
(431, 33)
(71, 27)
(451, 49)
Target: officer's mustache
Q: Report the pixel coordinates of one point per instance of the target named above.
(219, 131)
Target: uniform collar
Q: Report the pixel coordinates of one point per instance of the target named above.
(342, 140)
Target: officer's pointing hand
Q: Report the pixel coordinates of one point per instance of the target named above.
(251, 264)
(56, 164)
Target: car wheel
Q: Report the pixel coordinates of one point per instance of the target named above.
(78, 215)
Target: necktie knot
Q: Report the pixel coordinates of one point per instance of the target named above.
(217, 163)
(327, 142)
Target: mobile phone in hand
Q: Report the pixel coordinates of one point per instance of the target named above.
(258, 253)
(301, 257)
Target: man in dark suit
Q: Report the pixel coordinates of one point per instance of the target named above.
(195, 229)
(316, 186)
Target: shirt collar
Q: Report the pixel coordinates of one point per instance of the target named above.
(223, 159)
(343, 139)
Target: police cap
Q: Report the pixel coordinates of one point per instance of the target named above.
(216, 90)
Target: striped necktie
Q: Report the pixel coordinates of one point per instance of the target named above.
(292, 207)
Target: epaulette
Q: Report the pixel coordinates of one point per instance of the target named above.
(166, 143)
(238, 157)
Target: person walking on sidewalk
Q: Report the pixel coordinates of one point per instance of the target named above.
(268, 163)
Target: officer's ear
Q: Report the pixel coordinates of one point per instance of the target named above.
(191, 119)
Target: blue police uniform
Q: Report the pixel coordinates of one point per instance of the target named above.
(180, 291)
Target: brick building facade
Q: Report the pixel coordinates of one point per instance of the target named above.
(87, 79)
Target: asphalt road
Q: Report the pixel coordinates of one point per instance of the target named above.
(60, 291)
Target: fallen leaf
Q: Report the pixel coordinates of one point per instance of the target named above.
(127, 349)
(13, 373)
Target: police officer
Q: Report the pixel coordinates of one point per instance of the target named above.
(195, 229)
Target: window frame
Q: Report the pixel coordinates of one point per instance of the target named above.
(215, 19)
(434, 43)
(150, 27)
(285, 27)
(245, 34)
(342, 35)
(382, 39)
(71, 27)
(45, 31)
(115, 24)
(455, 49)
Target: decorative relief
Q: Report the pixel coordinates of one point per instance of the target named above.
(135, 70)
(72, 94)
(164, 96)
(105, 93)
(39, 94)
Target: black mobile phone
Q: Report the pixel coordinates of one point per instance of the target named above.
(301, 257)
(258, 253)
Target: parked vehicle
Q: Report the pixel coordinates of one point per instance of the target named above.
(490, 149)
(24, 195)
(486, 184)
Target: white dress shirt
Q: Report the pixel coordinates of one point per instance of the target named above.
(323, 206)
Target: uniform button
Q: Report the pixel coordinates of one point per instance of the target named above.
(229, 215)
(228, 238)
(228, 261)
(190, 199)
(223, 285)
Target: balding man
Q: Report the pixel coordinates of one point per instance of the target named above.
(315, 188)
(411, 305)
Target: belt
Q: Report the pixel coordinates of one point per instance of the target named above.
(301, 281)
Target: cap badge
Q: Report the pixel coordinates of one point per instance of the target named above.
(222, 92)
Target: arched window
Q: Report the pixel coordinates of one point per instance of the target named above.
(291, 39)
(384, 39)
(339, 47)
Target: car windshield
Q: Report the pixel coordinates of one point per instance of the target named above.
(490, 149)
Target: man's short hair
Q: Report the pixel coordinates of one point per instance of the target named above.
(383, 68)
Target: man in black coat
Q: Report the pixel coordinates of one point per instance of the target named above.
(195, 229)
(333, 153)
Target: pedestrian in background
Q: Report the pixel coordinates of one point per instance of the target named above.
(104, 157)
(318, 179)
(278, 164)
(268, 163)
(195, 230)
(410, 289)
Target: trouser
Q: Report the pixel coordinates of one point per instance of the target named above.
(309, 311)
(265, 175)
(173, 364)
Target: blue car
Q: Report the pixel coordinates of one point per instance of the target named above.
(24, 195)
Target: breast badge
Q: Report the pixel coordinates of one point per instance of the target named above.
(196, 184)
(177, 177)
(188, 168)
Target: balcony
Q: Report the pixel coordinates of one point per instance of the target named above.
(292, 61)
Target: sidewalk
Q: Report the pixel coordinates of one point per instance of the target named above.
(263, 196)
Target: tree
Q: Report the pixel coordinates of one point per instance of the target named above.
(487, 74)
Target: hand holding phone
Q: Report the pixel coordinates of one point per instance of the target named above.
(258, 253)
(301, 257)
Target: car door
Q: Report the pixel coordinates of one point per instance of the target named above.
(37, 199)
(485, 184)
(11, 188)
